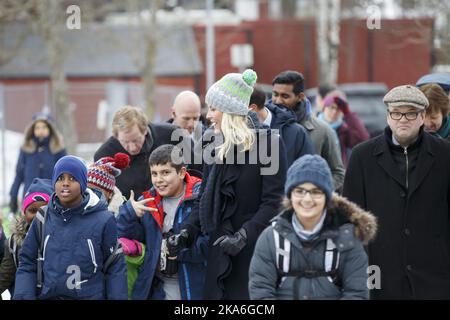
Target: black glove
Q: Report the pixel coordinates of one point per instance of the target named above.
(232, 245)
(177, 242)
(13, 205)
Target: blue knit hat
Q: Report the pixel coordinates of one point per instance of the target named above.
(309, 168)
(44, 116)
(74, 166)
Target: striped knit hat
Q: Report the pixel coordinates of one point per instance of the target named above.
(102, 173)
(231, 94)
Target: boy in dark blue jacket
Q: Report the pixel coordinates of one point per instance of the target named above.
(152, 219)
(79, 235)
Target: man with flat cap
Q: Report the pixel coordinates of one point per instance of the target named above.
(403, 177)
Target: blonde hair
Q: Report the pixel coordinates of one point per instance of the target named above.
(235, 132)
(128, 116)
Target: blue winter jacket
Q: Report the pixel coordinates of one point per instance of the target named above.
(294, 135)
(36, 164)
(192, 261)
(77, 243)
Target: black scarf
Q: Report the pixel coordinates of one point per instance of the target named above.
(218, 200)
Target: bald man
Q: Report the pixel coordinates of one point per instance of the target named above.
(186, 111)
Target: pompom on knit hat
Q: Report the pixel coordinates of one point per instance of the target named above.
(74, 166)
(43, 116)
(231, 94)
(309, 168)
(102, 173)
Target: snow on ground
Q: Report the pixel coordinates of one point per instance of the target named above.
(13, 141)
(6, 295)
(8, 159)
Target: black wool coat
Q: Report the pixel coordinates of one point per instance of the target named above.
(412, 247)
(249, 200)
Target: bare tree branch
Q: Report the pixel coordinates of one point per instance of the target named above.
(10, 10)
(6, 55)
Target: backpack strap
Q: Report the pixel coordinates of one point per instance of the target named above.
(331, 260)
(12, 246)
(41, 216)
(283, 250)
(283, 254)
(115, 255)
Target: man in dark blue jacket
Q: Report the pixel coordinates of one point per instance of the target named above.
(295, 137)
(288, 92)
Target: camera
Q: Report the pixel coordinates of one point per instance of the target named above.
(168, 264)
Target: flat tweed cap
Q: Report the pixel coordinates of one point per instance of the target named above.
(406, 95)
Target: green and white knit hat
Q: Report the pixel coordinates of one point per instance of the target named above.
(231, 94)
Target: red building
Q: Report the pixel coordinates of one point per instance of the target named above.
(398, 53)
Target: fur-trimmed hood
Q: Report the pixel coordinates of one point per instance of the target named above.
(56, 142)
(116, 201)
(343, 211)
(19, 230)
(365, 222)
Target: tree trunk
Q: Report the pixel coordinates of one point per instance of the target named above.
(289, 8)
(334, 40)
(51, 26)
(328, 28)
(322, 42)
(150, 35)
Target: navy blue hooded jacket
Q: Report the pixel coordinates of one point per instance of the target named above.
(296, 139)
(77, 243)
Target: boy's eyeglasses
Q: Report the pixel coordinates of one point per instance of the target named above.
(314, 193)
(408, 115)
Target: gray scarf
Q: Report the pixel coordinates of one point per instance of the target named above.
(304, 234)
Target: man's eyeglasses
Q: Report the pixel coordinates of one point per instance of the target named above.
(314, 193)
(408, 115)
